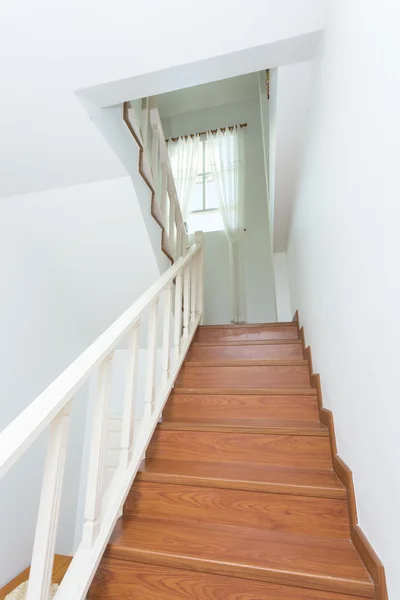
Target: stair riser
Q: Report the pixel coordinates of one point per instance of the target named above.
(244, 377)
(243, 352)
(285, 408)
(285, 450)
(120, 579)
(279, 512)
(232, 334)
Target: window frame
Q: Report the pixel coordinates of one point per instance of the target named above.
(204, 179)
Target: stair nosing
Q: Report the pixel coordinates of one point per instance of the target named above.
(301, 391)
(247, 363)
(273, 342)
(241, 569)
(243, 484)
(249, 325)
(173, 425)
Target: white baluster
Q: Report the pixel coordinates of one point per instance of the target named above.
(97, 454)
(151, 358)
(186, 301)
(199, 239)
(178, 243)
(171, 228)
(177, 317)
(164, 181)
(193, 282)
(154, 156)
(144, 121)
(128, 416)
(49, 508)
(166, 335)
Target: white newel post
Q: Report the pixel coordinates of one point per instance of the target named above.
(186, 301)
(151, 360)
(128, 415)
(199, 239)
(177, 317)
(49, 508)
(166, 335)
(97, 454)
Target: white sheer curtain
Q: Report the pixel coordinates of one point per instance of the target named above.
(226, 157)
(183, 159)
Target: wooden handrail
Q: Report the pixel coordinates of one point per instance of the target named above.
(150, 163)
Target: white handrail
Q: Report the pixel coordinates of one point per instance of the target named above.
(23, 431)
(104, 503)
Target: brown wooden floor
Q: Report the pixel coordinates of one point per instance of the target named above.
(61, 564)
(237, 499)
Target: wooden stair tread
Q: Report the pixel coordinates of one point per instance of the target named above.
(297, 560)
(275, 342)
(247, 476)
(269, 407)
(249, 325)
(293, 391)
(246, 425)
(126, 579)
(247, 363)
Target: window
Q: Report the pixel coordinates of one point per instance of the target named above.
(205, 215)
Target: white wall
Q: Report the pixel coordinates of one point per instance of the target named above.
(93, 240)
(265, 101)
(282, 290)
(272, 115)
(290, 105)
(344, 256)
(257, 256)
(40, 337)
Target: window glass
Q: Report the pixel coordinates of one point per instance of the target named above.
(196, 202)
(205, 215)
(211, 195)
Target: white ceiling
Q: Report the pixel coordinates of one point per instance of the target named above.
(216, 93)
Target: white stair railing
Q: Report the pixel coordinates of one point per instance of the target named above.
(159, 310)
(155, 167)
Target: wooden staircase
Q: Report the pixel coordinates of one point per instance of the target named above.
(237, 498)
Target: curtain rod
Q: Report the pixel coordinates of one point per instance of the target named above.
(230, 127)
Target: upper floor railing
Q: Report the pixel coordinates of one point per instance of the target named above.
(144, 123)
(163, 321)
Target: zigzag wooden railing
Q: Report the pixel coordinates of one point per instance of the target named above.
(171, 331)
(155, 168)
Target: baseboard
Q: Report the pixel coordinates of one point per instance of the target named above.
(367, 554)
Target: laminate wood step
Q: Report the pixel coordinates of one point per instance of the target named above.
(217, 333)
(288, 407)
(244, 374)
(120, 579)
(212, 446)
(244, 476)
(226, 425)
(275, 557)
(263, 350)
(324, 517)
(273, 342)
(249, 363)
(280, 391)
